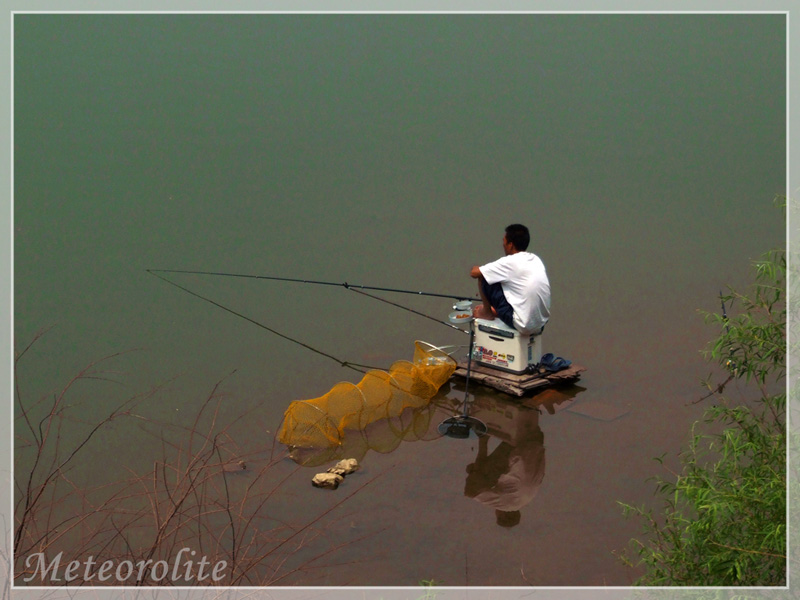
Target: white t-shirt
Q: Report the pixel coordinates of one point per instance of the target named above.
(524, 281)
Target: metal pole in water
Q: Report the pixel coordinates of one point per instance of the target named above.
(460, 426)
(469, 368)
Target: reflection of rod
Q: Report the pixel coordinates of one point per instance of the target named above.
(342, 284)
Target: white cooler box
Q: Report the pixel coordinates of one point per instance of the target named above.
(502, 347)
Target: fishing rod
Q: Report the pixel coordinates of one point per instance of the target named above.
(416, 312)
(343, 363)
(343, 284)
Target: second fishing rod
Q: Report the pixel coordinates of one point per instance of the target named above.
(352, 287)
(343, 284)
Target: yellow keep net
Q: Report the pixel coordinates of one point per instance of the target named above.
(321, 422)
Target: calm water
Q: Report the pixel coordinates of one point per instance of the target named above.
(642, 150)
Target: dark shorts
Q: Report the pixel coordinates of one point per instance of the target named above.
(494, 294)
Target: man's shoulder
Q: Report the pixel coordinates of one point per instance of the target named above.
(519, 261)
(516, 257)
(524, 258)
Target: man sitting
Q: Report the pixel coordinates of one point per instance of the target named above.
(514, 287)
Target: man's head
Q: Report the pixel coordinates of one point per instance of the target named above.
(517, 236)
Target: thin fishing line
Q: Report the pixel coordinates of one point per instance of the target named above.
(343, 363)
(416, 312)
(310, 281)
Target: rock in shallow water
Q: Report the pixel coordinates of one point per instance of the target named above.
(327, 480)
(344, 467)
(335, 474)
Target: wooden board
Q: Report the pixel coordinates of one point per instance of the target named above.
(514, 384)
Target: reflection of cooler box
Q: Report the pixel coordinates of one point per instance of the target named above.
(502, 347)
(506, 419)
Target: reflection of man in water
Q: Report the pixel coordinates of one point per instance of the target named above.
(509, 477)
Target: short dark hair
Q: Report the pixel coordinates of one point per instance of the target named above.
(519, 236)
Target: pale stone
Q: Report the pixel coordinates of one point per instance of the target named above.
(344, 467)
(327, 480)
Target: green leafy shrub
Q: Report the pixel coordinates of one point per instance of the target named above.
(723, 520)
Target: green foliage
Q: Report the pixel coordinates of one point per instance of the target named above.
(428, 584)
(755, 340)
(723, 520)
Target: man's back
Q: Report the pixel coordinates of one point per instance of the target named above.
(523, 278)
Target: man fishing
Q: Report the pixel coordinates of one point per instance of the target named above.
(514, 288)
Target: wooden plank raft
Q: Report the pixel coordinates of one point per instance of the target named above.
(517, 385)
